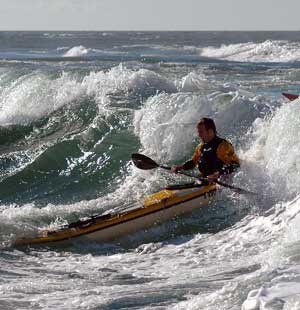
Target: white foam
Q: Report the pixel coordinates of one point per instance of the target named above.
(195, 82)
(267, 51)
(35, 95)
(77, 51)
(276, 147)
(166, 124)
(122, 80)
(274, 295)
(255, 245)
(282, 288)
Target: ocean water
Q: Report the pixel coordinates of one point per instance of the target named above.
(74, 106)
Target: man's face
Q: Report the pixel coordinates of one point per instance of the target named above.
(205, 134)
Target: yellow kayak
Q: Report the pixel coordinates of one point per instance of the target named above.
(156, 208)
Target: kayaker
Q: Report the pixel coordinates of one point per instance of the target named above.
(214, 156)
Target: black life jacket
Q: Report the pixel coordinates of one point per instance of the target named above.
(209, 162)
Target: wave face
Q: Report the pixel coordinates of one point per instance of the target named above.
(74, 106)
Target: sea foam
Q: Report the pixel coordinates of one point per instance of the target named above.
(77, 51)
(267, 51)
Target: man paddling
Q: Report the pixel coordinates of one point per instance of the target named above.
(214, 156)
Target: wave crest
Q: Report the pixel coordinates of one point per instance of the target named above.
(267, 51)
(77, 51)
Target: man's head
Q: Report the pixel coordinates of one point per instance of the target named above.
(206, 129)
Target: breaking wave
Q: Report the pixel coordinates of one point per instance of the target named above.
(267, 51)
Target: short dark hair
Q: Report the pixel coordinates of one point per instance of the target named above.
(208, 123)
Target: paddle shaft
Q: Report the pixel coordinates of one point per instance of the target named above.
(234, 188)
(143, 162)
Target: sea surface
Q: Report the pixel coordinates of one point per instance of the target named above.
(74, 106)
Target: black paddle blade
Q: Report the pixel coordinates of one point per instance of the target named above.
(143, 162)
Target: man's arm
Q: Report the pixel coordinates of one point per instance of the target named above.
(226, 154)
(190, 164)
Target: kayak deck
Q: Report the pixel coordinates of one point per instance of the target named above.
(156, 208)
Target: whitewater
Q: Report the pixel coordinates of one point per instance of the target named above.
(75, 106)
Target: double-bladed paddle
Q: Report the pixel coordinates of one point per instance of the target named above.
(145, 163)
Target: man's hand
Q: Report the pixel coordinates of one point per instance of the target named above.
(213, 177)
(175, 168)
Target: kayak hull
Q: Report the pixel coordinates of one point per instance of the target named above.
(151, 219)
(156, 208)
